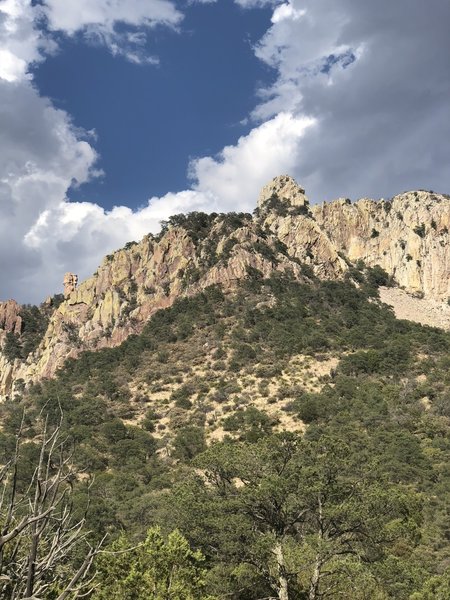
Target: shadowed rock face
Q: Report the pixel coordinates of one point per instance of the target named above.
(10, 319)
(407, 236)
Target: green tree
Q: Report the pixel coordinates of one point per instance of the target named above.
(158, 569)
(436, 588)
(297, 512)
(189, 442)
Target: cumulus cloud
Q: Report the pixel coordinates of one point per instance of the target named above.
(225, 182)
(71, 16)
(21, 43)
(77, 236)
(43, 154)
(238, 172)
(255, 3)
(98, 20)
(375, 77)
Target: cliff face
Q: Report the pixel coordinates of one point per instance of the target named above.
(407, 236)
(10, 322)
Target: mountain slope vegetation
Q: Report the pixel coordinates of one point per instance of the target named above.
(284, 439)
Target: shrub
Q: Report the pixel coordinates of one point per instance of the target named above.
(114, 430)
(12, 348)
(377, 276)
(251, 423)
(420, 230)
(309, 409)
(196, 224)
(276, 205)
(148, 422)
(189, 442)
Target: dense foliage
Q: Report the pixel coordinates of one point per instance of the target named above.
(353, 507)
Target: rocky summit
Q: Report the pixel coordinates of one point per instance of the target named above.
(407, 236)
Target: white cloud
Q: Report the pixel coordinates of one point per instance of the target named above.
(287, 11)
(236, 175)
(11, 67)
(98, 20)
(70, 17)
(256, 3)
(21, 44)
(42, 153)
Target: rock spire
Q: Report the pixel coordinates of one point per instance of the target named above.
(70, 284)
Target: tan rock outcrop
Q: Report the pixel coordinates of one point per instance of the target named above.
(407, 236)
(70, 284)
(286, 189)
(10, 319)
(10, 322)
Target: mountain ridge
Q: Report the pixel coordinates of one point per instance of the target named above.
(407, 237)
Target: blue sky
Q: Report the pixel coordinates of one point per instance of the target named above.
(115, 114)
(150, 120)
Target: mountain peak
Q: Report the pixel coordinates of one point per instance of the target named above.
(285, 189)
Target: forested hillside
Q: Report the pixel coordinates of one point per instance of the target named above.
(284, 440)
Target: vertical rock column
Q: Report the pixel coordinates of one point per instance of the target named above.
(70, 284)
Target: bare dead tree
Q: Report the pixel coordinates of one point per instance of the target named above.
(38, 532)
